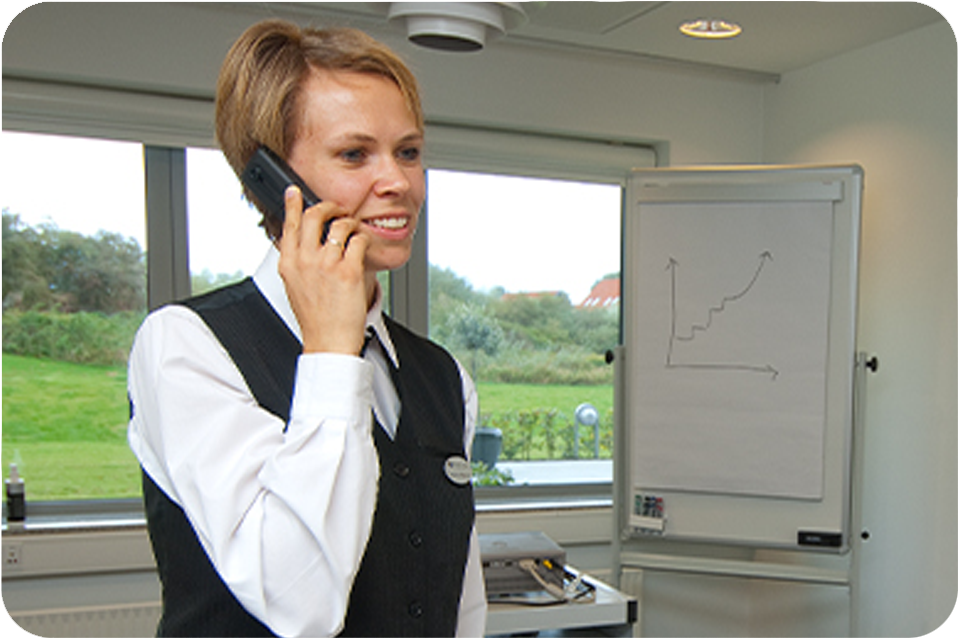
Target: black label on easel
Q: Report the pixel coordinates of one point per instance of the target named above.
(821, 539)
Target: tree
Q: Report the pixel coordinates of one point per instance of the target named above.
(597, 330)
(539, 320)
(103, 273)
(448, 292)
(472, 328)
(25, 282)
(46, 268)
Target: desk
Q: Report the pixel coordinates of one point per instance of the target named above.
(611, 614)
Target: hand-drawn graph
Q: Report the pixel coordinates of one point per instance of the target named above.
(743, 266)
(689, 334)
(729, 331)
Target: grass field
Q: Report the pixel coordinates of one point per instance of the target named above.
(496, 398)
(65, 427)
(65, 424)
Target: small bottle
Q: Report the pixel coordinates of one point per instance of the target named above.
(16, 496)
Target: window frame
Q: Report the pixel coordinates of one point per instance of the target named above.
(452, 147)
(520, 153)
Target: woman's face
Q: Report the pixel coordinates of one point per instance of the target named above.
(359, 147)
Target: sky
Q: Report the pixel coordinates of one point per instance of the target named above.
(523, 234)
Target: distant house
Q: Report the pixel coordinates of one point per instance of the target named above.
(605, 294)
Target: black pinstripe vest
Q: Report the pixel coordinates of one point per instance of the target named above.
(411, 575)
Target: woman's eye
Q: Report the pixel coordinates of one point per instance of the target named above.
(353, 155)
(411, 154)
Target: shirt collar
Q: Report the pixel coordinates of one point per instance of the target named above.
(375, 321)
(268, 281)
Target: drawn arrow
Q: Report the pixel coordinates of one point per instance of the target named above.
(767, 369)
(671, 267)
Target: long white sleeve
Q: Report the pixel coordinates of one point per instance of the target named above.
(284, 517)
(472, 615)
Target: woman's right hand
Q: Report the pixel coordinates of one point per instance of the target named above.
(325, 283)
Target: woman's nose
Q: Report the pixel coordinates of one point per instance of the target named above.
(391, 179)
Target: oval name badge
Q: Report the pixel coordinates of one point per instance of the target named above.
(458, 470)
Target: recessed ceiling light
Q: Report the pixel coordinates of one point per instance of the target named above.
(712, 29)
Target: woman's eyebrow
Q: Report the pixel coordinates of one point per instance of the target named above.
(366, 138)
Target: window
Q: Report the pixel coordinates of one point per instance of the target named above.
(74, 280)
(74, 285)
(226, 243)
(524, 290)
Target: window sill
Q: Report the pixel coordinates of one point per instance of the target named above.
(538, 486)
(554, 472)
(77, 516)
(63, 539)
(489, 500)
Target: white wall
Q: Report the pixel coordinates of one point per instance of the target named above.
(703, 118)
(891, 108)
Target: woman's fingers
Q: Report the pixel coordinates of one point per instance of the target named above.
(356, 247)
(293, 204)
(342, 233)
(313, 227)
(325, 283)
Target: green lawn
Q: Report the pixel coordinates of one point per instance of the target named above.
(65, 427)
(65, 424)
(497, 398)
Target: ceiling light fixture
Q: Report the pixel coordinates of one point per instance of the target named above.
(711, 29)
(456, 26)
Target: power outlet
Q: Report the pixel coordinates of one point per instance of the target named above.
(12, 556)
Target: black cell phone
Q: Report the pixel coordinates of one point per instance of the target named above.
(267, 175)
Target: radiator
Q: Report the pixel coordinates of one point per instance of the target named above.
(129, 620)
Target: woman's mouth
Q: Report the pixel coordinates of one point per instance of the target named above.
(389, 222)
(391, 226)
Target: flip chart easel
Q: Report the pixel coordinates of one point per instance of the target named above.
(735, 390)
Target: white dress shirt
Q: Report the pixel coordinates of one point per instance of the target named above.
(283, 516)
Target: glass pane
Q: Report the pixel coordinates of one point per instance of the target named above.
(74, 293)
(226, 241)
(524, 290)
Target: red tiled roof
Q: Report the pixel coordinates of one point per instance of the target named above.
(604, 293)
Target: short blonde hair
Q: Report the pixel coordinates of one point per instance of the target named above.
(261, 78)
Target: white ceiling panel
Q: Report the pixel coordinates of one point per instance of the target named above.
(777, 36)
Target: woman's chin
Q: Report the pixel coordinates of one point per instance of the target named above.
(387, 261)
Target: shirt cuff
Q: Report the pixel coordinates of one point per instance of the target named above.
(331, 386)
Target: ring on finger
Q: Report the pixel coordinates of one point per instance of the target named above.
(335, 242)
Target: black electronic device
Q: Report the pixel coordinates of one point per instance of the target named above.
(267, 176)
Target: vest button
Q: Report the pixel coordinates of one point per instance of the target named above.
(416, 539)
(402, 470)
(415, 609)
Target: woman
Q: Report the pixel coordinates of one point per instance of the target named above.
(303, 454)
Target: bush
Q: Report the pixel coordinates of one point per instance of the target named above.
(546, 433)
(569, 365)
(82, 338)
(483, 475)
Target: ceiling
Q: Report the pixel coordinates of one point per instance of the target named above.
(176, 48)
(777, 36)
